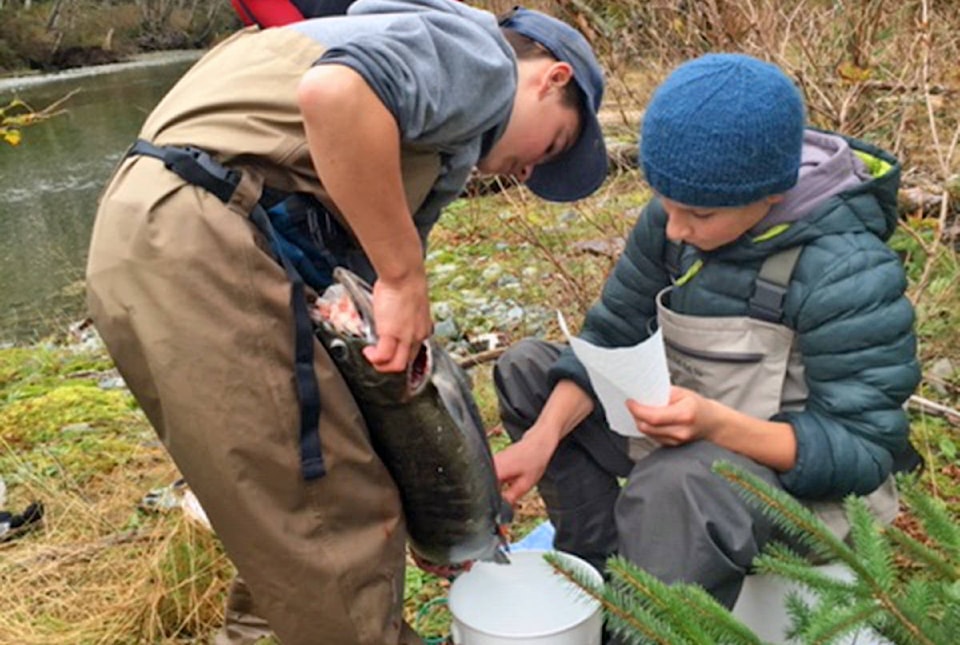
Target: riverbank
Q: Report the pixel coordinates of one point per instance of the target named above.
(16, 82)
(46, 37)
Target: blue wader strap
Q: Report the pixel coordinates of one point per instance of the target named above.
(200, 169)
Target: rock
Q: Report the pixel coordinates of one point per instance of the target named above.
(441, 310)
(610, 247)
(942, 371)
(112, 383)
(492, 272)
(446, 329)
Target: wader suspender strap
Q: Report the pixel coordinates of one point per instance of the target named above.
(200, 169)
(771, 286)
(671, 259)
(770, 289)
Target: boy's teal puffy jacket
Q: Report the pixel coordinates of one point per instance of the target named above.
(846, 300)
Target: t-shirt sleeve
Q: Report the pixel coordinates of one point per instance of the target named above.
(444, 77)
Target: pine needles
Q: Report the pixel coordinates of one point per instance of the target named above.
(904, 590)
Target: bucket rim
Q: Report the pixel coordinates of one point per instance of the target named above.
(573, 623)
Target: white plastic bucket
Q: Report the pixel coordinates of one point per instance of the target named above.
(524, 603)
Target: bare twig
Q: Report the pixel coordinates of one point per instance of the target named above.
(481, 357)
(75, 552)
(932, 407)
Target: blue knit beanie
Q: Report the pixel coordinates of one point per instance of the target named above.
(723, 130)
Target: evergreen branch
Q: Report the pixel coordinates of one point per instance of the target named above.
(719, 622)
(936, 520)
(839, 623)
(800, 613)
(780, 560)
(660, 600)
(932, 605)
(870, 545)
(634, 622)
(685, 607)
(792, 516)
(624, 616)
(878, 574)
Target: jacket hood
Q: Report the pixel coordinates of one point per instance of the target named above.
(828, 167)
(848, 186)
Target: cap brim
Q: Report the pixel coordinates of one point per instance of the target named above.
(578, 172)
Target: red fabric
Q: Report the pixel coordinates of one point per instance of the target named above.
(266, 13)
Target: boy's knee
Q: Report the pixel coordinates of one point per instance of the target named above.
(522, 370)
(680, 482)
(526, 359)
(520, 379)
(683, 475)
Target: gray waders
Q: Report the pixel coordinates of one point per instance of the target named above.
(674, 517)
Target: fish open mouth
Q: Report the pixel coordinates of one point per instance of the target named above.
(418, 373)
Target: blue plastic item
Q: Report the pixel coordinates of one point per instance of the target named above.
(540, 538)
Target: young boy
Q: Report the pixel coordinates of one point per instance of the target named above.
(789, 340)
(381, 116)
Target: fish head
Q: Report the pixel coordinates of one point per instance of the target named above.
(345, 326)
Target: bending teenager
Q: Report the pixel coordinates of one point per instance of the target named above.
(380, 116)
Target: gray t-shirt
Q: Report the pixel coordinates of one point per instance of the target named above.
(442, 68)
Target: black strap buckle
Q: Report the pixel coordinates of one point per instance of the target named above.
(193, 165)
(198, 167)
(767, 301)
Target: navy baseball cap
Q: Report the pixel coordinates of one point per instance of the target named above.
(579, 170)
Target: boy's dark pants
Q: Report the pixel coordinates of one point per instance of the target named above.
(672, 517)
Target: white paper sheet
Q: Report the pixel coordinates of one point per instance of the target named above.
(617, 374)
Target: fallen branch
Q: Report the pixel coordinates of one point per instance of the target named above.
(899, 88)
(482, 357)
(75, 552)
(932, 407)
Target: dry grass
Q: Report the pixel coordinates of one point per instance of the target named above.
(100, 570)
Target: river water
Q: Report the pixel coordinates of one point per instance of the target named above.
(49, 183)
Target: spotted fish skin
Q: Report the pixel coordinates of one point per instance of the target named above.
(425, 427)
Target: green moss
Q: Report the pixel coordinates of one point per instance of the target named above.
(53, 422)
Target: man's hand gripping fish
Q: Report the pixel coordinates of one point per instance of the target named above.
(425, 426)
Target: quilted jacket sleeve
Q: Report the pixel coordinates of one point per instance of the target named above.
(856, 335)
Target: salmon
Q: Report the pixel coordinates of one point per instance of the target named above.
(425, 426)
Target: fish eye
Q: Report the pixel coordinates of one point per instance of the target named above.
(338, 349)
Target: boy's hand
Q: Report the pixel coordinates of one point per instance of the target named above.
(687, 417)
(520, 465)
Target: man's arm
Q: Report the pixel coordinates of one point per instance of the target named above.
(354, 142)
